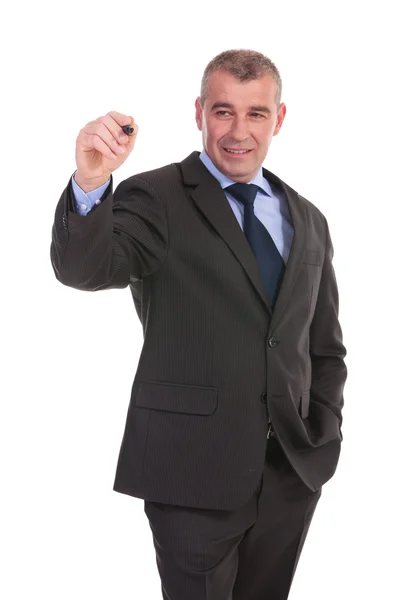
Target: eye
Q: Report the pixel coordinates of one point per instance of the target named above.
(219, 112)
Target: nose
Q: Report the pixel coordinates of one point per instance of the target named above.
(239, 129)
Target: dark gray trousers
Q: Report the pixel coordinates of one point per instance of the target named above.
(247, 554)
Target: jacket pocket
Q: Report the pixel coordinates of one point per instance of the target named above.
(305, 404)
(177, 398)
(312, 257)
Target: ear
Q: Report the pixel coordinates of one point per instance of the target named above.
(199, 113)
(280, 118)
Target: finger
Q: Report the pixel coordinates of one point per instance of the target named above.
(114, 128)
(121, 120)
(99, 129)
(91, 140)
(102, 147)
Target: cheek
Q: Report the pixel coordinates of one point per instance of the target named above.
(216, 132)
(215, 135)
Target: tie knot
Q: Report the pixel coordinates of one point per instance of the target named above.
(244, 192)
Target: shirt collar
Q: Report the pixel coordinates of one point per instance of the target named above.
(224, 181)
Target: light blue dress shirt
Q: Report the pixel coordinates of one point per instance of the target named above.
(270, 205)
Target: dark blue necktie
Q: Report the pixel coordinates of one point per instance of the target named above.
(269, 260)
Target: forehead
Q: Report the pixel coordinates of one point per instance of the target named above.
(223, 86)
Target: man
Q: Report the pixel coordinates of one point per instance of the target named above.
(234, 422)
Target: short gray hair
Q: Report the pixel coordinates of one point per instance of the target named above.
(245, 65)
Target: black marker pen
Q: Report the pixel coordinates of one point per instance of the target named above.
(127, 129)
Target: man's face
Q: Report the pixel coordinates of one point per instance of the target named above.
(239, 116)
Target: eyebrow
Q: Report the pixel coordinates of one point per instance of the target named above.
(228, 105)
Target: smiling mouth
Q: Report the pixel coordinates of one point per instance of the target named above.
(237, 152)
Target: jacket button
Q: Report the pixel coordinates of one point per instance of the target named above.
(264, 397)
(272, 342)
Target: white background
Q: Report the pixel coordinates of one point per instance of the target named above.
(69, 357)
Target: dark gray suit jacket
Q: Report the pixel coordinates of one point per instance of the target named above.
(215, 358)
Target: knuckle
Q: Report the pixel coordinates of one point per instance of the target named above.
(87, 139)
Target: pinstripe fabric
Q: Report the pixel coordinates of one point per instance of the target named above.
(250, 553)
(216, 361)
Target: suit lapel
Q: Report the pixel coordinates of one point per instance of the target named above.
(299, 222)
(211, 200)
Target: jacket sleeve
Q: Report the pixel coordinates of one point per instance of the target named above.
(123, 239)
(327, 351)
